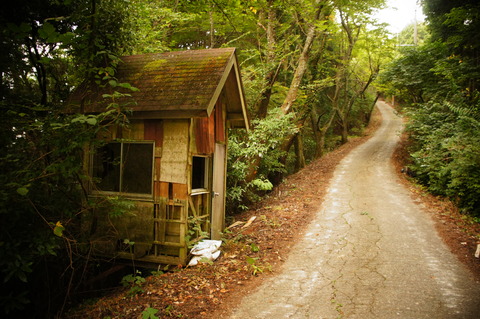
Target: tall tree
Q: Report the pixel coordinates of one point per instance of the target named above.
(46, 49)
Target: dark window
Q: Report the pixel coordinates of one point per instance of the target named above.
(124, 167)
(106, 167)
(199, 172)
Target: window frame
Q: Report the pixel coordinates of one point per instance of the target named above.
(96, 191)
(206, 176)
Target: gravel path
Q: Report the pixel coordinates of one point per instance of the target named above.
(371, 252)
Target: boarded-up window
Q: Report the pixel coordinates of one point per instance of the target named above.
(124, 167)
(199, 173)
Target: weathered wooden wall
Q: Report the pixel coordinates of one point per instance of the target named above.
(159, 226)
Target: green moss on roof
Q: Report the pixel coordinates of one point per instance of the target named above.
(182, 80)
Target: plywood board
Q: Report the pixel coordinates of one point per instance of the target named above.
(175, 152)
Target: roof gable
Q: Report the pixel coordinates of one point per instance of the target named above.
(178, 84)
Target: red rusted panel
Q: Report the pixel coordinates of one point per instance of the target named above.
(154, 131)
(211, 133)
(180, 191)
(163, 189)
(201, 141)
(204, 134)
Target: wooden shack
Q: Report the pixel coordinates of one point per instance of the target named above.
(170, 162)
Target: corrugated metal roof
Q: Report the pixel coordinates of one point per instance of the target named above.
(176, 82)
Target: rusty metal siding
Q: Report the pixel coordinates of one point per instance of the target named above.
(205, 135)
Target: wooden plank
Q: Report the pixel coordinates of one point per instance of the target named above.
(192, 207)
(174, 221)
(175, 152)
(218, 201)
(156, 190)
(167, 244)
(163, 260)
(161, 215)
(183, 233)
(220, 121)
(157, 168)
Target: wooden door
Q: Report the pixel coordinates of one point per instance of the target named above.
(218, 191)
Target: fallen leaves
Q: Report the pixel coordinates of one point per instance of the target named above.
(213, 290)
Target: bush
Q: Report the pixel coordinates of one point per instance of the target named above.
(260, 151)
(446, 152)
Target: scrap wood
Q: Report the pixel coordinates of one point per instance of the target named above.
(235, 224)
(250, 221)
(238, 223)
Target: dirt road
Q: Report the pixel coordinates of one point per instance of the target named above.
(371, 252)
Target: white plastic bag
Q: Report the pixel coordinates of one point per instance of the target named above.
(208, 249)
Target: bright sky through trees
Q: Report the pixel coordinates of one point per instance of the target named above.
(400, 13)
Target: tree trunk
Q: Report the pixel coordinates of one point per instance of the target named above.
(321, 144)
(344, 124)
(369, 116)
(302, 65)
(261, 107)
(212, 28)
(316, 134)
(299, 152)
(323, 132)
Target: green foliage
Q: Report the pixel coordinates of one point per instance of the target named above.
(262, 185)
(446, 153)
(149, 313)
(195, 231)
(134, 282)
(115, 206)
(455, 23)
(47, 49)
(254, 248)
(263, 142)
(256, 267)
(412, 77)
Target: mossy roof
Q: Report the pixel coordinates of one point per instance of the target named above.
(173, 84)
